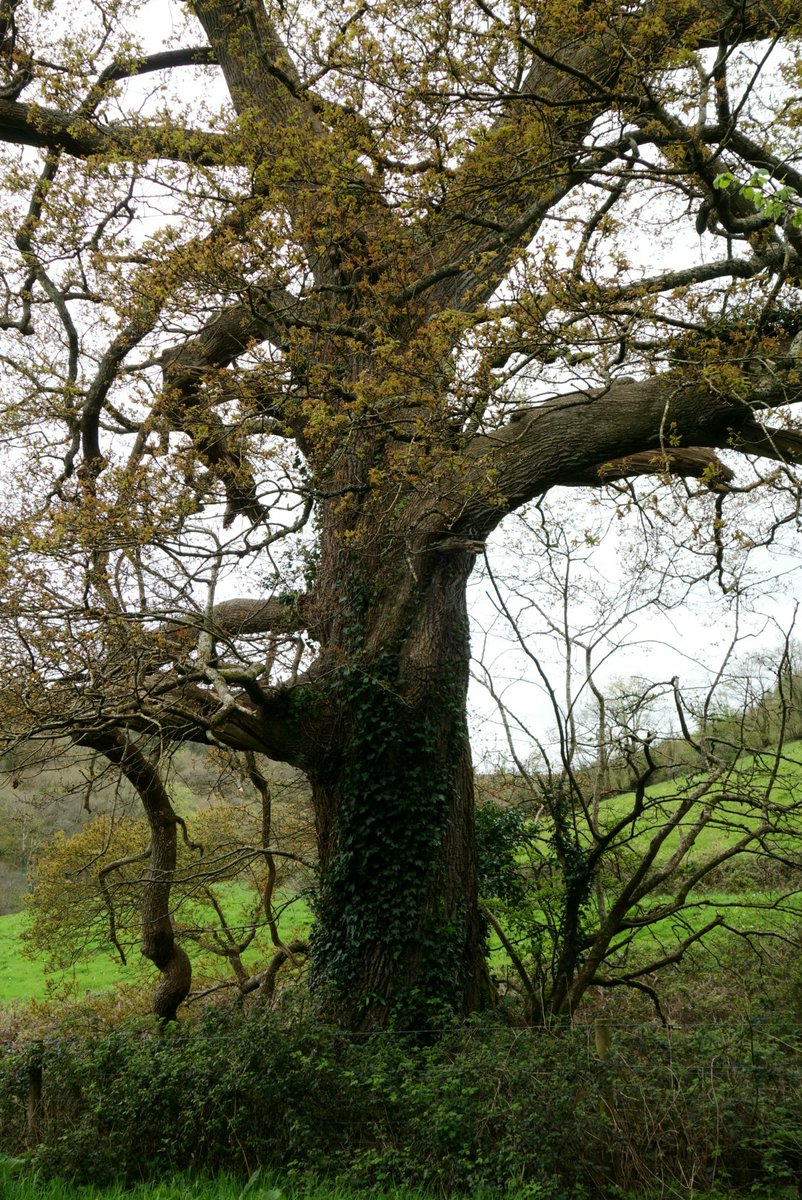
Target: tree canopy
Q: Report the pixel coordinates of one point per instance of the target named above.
(299, 302)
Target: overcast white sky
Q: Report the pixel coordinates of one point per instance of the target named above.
(641, 620)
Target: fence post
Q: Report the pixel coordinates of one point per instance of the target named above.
(34, 1105)
(603, 1036)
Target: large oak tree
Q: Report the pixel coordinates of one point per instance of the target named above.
(310, 349)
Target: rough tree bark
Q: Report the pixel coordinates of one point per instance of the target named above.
(158, 944)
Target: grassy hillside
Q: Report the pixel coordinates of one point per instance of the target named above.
(748, 903)
(25, 978)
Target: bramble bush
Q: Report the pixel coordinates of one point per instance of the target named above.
(484, 1106)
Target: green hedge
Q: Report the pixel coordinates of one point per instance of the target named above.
(485, 1106)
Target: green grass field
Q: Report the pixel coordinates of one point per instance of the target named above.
(24, 978)
(15, 1186)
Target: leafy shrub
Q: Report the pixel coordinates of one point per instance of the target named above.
(483, 1107)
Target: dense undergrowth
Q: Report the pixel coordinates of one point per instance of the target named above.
(485, 1107)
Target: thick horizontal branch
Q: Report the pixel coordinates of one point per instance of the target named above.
(183, 706)
(265, 317)
(694, 462)
(243, 616)
(279, 614)
(782, 445)
(656, 424)
(165, 60)
(32, 125)
(756, 155)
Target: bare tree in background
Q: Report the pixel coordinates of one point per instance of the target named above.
(631, 810)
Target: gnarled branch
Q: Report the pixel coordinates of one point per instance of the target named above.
(47, 128)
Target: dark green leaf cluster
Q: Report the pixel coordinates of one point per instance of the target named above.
(500, 832)
(483, 1107)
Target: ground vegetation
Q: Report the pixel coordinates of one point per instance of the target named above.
(484, 1110)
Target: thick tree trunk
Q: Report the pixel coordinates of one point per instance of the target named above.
(398, 939)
